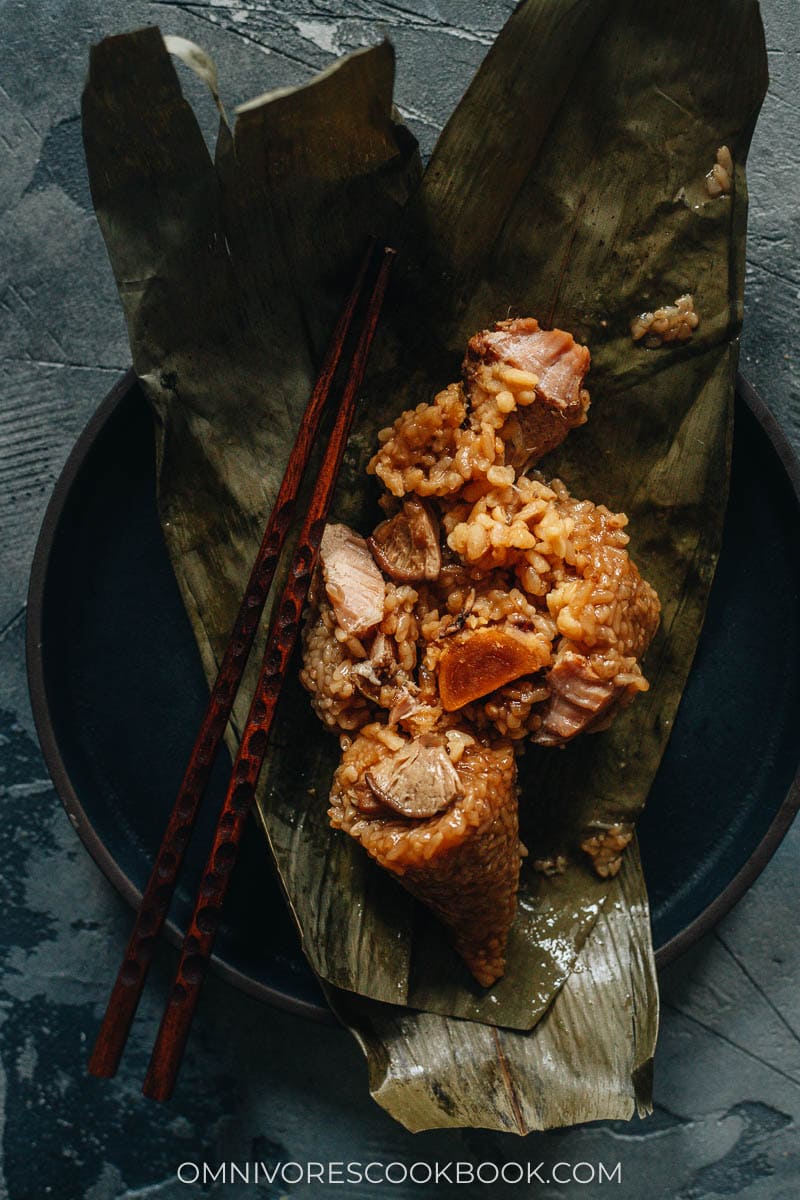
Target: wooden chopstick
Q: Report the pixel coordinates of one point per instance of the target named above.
(281, 640)
(127, 990)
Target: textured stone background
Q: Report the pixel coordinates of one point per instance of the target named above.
(262, 1084)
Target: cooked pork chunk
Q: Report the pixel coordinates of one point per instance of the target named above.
(418, 780)
(559, 364)
(578, 699)
(353, 583)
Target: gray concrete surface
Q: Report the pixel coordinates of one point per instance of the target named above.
(260, 1084)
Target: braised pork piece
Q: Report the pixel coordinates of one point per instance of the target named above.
(490, 607)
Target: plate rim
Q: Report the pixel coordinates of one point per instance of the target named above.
(45, 727)
(719, 907)
(746, 876)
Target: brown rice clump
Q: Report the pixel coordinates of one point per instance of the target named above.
(673, 323)
(533, 629)
(327, 673)
(350, 678)
(521, 557)
(435, 449)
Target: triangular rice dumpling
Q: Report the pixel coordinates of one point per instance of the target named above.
(463, 863)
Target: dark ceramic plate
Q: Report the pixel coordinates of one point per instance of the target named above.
(118, 691)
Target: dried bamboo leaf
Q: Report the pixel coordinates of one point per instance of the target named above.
(197, 60)
(229, 296)
(555, 190)
(589, 1058)
(224, 336)
(609, 219)
(533, 216)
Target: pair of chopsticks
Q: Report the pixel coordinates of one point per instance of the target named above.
(281, 640)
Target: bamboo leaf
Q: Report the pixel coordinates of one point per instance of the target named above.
(589, 1058)
(569, 204)
(569, 185)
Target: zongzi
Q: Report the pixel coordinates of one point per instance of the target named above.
(528, 622)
